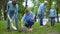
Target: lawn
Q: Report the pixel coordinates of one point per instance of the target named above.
(36, 29)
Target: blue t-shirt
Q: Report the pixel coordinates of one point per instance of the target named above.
(41, 8)
(52, 13)
(12, 11)
(31, 15)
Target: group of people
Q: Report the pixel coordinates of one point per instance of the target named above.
(28, 18)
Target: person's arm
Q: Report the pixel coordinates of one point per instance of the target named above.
(33, 16)
(39, 9)
(15, 12)
(45, 12)
(7, 10)
(22, 22)
(49, 12)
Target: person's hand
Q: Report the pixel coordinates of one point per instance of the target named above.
(10, 20)
(22, 25)
(23, 29)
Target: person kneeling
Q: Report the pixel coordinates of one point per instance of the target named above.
(28, 20)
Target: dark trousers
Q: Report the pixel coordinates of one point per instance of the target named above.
(52, 21)
(41, 19)
(29, 25)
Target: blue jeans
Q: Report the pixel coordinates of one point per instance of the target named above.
(29, 23)
(41, 19)
(8, 23)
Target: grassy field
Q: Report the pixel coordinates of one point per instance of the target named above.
(36, 29)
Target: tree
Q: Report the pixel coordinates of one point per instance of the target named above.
(2, 6)
(58, 9)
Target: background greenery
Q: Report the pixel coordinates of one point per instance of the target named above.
(36, 28)
(34, 9)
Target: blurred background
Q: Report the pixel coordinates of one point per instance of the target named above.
(32, 5)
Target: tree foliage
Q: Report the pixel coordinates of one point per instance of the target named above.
(22, 8)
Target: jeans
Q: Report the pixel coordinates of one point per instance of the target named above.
(8, 23)
(41, 19)
(29, 23)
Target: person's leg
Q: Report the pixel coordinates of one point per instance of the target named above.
(26, 24)
(8, 24)
(31, 23)
(29, 26)
(41, 20)
(53, 21)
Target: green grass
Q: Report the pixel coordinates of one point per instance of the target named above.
(36, 29)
